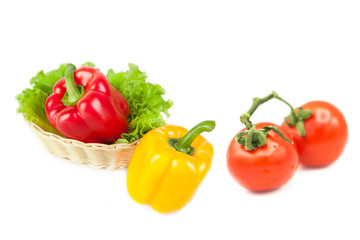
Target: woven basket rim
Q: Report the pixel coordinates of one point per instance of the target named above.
(68, 141)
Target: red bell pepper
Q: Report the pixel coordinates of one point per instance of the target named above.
(84, 106)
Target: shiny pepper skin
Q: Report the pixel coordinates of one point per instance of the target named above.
(99, 116)
(163, 177)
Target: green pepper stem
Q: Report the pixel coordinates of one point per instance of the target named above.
(185, 142)
(73, 92)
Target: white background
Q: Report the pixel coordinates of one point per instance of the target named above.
(212, 57)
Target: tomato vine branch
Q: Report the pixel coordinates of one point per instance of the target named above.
(252, 138)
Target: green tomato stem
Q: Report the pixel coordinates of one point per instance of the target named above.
(293, 114)
(253, 138)
(245, 118)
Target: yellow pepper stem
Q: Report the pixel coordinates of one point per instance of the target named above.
(184, 144)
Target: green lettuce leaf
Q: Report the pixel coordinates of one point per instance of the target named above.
(88, 64)
(145, 100)
(32, 100)
(45, 82)
(146, 103)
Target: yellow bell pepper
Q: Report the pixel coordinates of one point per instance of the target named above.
(168, 165)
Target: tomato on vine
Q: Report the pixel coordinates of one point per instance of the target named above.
(264, 168)
(262, 156)
(320, 132)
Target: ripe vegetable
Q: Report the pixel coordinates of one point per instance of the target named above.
(264, 168)
(325, 134)
(168, 165)
(262, 157)
(84, 106)
(145, 100)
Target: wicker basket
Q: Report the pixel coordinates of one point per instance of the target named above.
(93, 154)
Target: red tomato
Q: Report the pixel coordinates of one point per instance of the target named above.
(264, 168)
(326, 135)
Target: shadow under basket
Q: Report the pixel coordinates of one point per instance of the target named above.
(95, 155)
